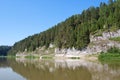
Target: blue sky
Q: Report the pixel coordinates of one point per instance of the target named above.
(22, 18)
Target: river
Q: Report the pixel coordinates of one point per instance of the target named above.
(68, 69)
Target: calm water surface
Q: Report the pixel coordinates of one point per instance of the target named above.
(21, 69)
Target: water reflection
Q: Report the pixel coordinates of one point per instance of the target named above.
(66, 70)
(6, 72)
(51, 70)
(3, 63)
(58, 70)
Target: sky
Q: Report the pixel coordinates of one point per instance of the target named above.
(22, 18)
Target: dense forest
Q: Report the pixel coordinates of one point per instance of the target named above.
(4, 50)
(76, 30)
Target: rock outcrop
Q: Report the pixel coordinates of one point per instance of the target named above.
(97, 44)
(103, 43)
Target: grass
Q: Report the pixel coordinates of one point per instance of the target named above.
(115, 39)
(32, 57)
(50, 56)
(109, 57)
(47, 57)
(113, 54)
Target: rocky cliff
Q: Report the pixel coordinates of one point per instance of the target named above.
(97, 44)
(103, 43)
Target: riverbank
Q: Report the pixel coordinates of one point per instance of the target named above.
(98, 44)
(112, 54)
(92, 57)
(109, 57)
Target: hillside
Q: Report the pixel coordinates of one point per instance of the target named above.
(74, 31)
(4, 50)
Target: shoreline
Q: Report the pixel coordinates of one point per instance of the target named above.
(80, 56)
(90, 57)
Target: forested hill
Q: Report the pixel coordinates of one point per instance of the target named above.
(75, 31)
(4, 50)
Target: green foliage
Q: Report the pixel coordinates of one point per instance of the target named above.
(109, 57)
(32, 57)
(114, 50)
(115, 39)
(113, 54)
(74, 31)
(47, 57)
(4, 50)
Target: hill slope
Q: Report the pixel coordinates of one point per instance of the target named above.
(74, 31)
(4, 50)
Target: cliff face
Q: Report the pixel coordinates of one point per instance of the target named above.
(103, 43)
(97, 44)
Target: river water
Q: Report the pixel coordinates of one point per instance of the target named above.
(69, 69)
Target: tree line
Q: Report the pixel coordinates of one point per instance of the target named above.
(4, 50)
(76, 30)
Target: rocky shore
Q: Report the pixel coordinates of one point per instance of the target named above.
(97, 44)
